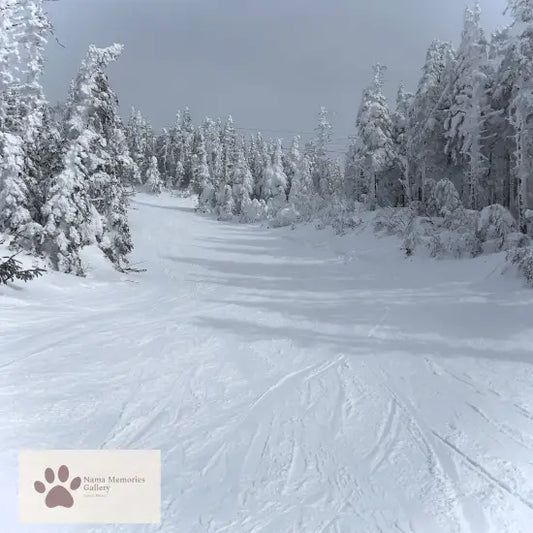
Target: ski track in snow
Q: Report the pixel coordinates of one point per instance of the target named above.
(295, 381)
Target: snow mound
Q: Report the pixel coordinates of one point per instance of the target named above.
(287, 216)
(253, 211)
(393, 221)
(439, 238)
(522, 259)
(497, 230)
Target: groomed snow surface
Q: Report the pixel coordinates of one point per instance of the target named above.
(295, 381)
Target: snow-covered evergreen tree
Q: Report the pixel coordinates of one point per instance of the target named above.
(499, 136)
(14, 196)
(425, 131)
(322, 164)
(373, 153)
(9, 52)
(229, 150)
(243, 181)
(399, 135)
(225, 204)
(202, 182)
(153, 177)
(466, 116)
(302, 196)
(214, 151)
(34, 30)
(521, 108)
(88, 202)
(126, 168)
(23, 32)
(164, 157)
(259, 166)
(137, 136)
(276, 180)
(251, 156)
(71, 220)
(42, 160)
(292, 160)
(187, 150)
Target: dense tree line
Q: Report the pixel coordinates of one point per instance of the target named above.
(459, 148)
(468, 122)
(234, 176)
(63, 170)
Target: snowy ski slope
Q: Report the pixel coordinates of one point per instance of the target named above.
(295, 381)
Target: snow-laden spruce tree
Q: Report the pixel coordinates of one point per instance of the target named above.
(243, 182)
(87, 202)
(292, 160)
(276, 181)
(34, 31)
(225, 204)
(223, 162)
(138, 135)
(213, 146)
(259, 167)
(164, 157)
(110, 155)
(182, 150)
(229, 150)
(202, 183)
(399, 135)
(127, 169)
(302, 194)
(153, 177)
(9, 51)
(373, 153)
(425, 131)
(253, 207)
(499, 137)
(14, 195)
(322, 164)
(334, 187)
(328, 179)
(43, 160)
(175, 149)
(175, 156)
(468, 110)
(71, 220)
(251, 154)
(521, 108)
(24, 29)
(352, 172)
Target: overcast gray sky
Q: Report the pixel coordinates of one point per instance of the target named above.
(270, 63)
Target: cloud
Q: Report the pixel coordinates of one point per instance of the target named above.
(270, 63)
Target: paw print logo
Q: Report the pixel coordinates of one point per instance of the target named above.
(58, 495)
